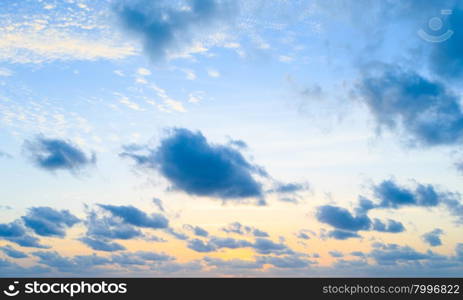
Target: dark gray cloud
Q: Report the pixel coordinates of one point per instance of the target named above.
(197, 167)
(432, 238)
(170, 27)
(56, 154)
(425, 110)
(46, 221)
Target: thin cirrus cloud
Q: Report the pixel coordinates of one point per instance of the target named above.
(57, 154)
(166, 28)
(193, 165)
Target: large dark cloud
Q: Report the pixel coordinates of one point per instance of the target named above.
(197, 167)
(170, 27)
(56, 154)
(426, 110)
(46, 221)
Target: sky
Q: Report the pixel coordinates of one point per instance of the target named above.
(223, 138)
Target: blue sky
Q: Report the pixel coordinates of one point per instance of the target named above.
(220, 137)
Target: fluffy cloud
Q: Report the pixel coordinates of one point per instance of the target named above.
(197, 230)
(426, 110)
(197, 167)
(260, 245)
(56, 154)
(432, 238)
(13, 253)
(133, 216)
(16, 232)
(392, 195)
(101, 244)
(46, 221)
(169, 28)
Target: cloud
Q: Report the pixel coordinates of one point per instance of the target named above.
(238, 228)
(260, 245)
(233, 263)
(197, 230)
(446, 58)
(285, 262)
(101, 244)
(13, 253)
(432, 238)
(133, 216)
(342, 234)
(391, 226)
(158, 203)
(200, 246)
(5, 155)
(75, 265)
(346, 224)
(426, 110)
(108, 227)
(46, 221)
(288, 192)
(341, 218)
(391, 195)
(56, 154)
(167, 29)
(392, 254)
(335, 253)
(195, 166)
(16, 232)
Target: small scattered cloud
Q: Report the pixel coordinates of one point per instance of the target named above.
(432, 238)
(46, 221)
(56, 154)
